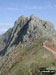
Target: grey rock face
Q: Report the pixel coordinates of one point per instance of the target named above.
(16, 33)
(26, 30)
(4, 38)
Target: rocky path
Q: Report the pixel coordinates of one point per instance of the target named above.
(50, 50)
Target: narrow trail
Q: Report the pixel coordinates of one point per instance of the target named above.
(53, 52)
(49, 49)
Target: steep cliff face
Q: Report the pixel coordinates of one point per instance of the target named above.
(4, 38)
(26, 30)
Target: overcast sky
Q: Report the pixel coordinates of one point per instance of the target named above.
(10, 10)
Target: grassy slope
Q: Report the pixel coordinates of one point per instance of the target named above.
(34, 58)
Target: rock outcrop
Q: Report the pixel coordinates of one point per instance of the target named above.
(4, 38)
(26, 30)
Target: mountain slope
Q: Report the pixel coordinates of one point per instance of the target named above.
(26, 41)
(4, 38)
(28, 29)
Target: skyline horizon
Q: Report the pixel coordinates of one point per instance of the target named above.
(5, 30)
(12, 9)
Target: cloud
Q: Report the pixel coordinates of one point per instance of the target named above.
(3, 29)
(12, 8)
(5, 24)
(49, 6)
(25, 8)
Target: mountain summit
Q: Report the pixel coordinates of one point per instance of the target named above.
(26, 30)
(24, 46)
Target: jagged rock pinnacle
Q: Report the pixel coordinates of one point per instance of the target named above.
(33, 17)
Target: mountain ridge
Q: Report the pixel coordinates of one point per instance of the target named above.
(4, 38)
(26, 37)
(28, 25)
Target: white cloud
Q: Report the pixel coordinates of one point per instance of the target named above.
(47, 6)
(8, 24)
(3, 29)
(11, 8)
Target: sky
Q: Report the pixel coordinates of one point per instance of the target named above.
(10, 10)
